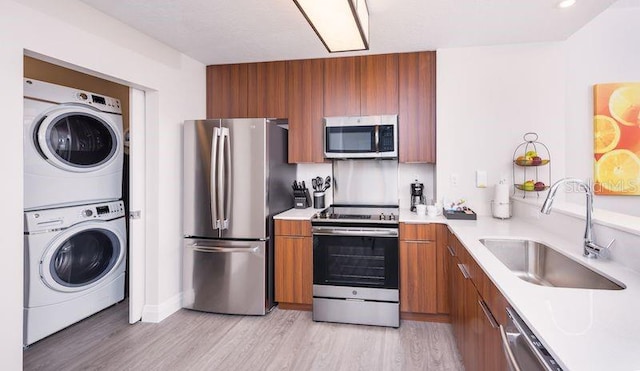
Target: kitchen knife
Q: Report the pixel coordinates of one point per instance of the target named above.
(295, 184)
(304, 186)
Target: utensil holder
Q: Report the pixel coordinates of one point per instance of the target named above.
(318, 200)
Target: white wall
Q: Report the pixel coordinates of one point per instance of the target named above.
(488, 97)
(604, 51)
(70, 33)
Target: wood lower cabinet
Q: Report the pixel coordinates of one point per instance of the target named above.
(423, 280)
(293, 264)
(475, 318)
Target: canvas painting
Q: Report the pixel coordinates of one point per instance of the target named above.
(616, 133)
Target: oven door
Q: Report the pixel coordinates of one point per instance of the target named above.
(366, 258)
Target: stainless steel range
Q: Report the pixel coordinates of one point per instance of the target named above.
(355, 265)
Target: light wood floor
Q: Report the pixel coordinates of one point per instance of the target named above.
(282, 340)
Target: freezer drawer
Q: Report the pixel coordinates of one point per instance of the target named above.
(225, 276)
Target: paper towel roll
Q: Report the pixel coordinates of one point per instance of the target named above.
(501, 201)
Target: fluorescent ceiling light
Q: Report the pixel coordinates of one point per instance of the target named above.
(341, 25)
(566, 4)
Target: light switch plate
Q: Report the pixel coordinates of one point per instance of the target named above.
(481, 179)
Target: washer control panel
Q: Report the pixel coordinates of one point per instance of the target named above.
(64, 217)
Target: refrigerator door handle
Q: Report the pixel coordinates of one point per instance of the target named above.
(220, 179)
(226, 140)
(207, 249)
(215, 222)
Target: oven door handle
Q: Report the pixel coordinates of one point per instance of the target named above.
(355, 232)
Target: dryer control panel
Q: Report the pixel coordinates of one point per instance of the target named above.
(64, 217)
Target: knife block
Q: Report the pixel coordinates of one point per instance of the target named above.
(301, 198)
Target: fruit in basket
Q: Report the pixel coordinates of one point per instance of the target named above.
(523, 160)
(536, 160)
(531, 154)
(539, 186)
(529, 185)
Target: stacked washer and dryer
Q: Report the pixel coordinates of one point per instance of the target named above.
(74, 220)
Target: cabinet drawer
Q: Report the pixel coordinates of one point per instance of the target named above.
(417, 232)
(292, 227)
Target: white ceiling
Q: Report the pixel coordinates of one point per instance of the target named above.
(218, 31)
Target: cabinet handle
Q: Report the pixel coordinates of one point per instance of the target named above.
(488, 314)
(451, 251)
(464, 271)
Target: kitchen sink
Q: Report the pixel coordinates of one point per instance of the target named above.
(540, 264)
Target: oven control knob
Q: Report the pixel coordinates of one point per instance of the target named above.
(392, 217)
(87, 213)
(382, 217)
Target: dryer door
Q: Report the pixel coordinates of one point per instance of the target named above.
(82, 257)
(78, 139)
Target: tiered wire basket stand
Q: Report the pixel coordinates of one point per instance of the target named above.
(527, 169)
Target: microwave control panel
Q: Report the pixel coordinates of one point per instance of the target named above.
(386, 138)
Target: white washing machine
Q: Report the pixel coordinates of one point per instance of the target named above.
(75, 262)
(73, 146)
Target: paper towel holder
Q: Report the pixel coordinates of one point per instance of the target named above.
(495, 205)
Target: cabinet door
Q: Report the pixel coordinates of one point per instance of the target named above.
(342, 86)
(457, 302)
(379, 84)
(490, 346)
(227, 91)
(293, 270)
(418, 291)
(305, 110)
(417, 107)
(266, 92)
(442, 268)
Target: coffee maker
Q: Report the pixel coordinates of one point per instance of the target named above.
(417, 194)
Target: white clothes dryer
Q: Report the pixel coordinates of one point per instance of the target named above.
(73, 146)
(74, 265)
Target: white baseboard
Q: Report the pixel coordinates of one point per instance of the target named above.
(156, 313)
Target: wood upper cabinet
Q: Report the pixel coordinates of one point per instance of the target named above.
(227, 90)
(417, 107)
(305, 81)
(246, 90)
(293, 263)
(379, 84)
(266, 96)
(342, 86)
(423, 280)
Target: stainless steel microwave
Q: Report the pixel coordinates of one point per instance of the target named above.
(361, 137)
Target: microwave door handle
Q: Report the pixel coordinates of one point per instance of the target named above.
(228, 187)
(213, 181)
(377, 137)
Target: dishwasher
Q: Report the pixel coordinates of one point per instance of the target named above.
(522, 348)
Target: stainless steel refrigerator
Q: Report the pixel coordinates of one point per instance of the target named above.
(236, 177)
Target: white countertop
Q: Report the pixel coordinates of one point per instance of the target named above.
(583, 329)
(298, 214)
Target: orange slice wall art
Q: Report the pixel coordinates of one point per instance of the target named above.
(616, 138)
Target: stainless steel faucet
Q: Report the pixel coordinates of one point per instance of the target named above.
(591, 249)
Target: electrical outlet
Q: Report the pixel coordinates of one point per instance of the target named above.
(454, 179)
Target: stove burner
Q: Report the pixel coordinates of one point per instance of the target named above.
(358, 213)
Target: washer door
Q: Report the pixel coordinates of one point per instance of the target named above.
(77, 138)
(81, 257)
